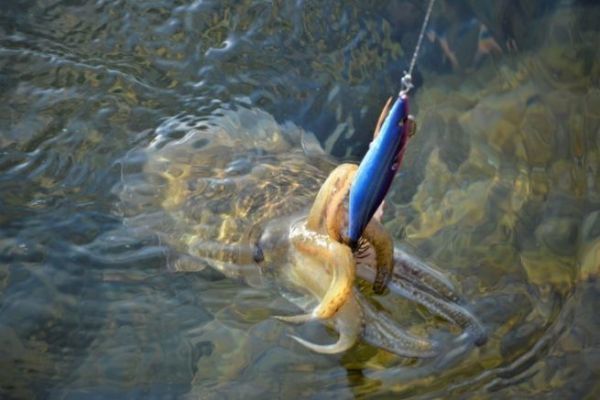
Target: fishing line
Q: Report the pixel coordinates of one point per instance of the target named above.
(406, 81)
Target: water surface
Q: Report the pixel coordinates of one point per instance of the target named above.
(500, 189)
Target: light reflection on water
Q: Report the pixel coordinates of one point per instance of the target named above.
(501, 190)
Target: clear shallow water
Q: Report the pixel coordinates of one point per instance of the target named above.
(500, 189)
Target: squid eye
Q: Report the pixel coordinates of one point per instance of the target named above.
(257, 254)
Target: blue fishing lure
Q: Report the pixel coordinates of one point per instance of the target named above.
(377, 169)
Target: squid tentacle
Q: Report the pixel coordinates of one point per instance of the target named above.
(341, 267)
(344, 343)
(418, 282)
(348, 322)
(450, 311)
(382, 331)
(424, 276)
(383, 244)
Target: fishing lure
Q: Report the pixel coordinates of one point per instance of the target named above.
(379, 166)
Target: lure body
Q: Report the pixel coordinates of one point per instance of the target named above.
(377, 169)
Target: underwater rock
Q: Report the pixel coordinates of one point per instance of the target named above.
(559, 235)
(442, 201)
(537, 130)
(454, 145)
(540, 184)
(590, 261)
(590, 229)
(544, 269)
(591, 112)
(568, 178)
(576, 135)
(589, 265)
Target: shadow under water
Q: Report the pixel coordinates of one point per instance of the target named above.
(500, 189)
